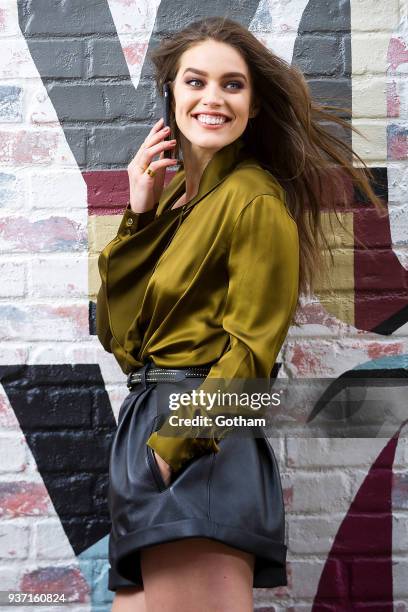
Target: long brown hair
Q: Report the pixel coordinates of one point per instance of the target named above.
(314, 167)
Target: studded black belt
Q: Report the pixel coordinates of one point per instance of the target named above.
(157, 374)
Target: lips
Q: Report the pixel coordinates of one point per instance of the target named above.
(195, 116)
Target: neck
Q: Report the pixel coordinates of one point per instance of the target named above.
(195, 159)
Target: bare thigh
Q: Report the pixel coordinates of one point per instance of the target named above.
(129, 600)
(197, 575)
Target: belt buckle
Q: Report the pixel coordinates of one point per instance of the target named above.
(128, 382)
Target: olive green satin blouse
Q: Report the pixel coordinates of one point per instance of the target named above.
(213, 281)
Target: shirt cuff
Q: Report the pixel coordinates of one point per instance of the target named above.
(178, 451)
(132, 222)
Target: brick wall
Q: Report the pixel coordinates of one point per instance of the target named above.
(76, 101)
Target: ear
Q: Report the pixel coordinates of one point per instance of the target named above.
(255, 108)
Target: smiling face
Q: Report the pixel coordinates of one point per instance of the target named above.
(212, 92)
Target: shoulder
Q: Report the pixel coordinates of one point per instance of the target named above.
(252, 180)
(251, 187)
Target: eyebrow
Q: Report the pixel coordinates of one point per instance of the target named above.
(226, 74)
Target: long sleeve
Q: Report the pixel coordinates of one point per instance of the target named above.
(262, 294)
(130, 224)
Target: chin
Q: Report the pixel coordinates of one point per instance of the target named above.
(209, 141)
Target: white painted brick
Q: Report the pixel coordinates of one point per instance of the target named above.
(15, 60)
(12, 453)
(50, 541)
(26, 147)
(278, 446)
(372, 147)
(92, 352)
(266, 599)
(319, 492)
(8, 419)
(369, 15)
(401, 455)
(369, 53)
(305, 576)
(12, 191)
(397, 182)
(42, 233)
(9, 26)
(319, 358)
(330, 452)
(301, 607)
(9, 579)
(42, 321)
(12, 275)
(369, 97)
(400, 532)
(400, 578)
(11, 352)
(312, 534)
(14, 541)
(39, 108)
(63, 277)
(398, 216)
(57, 190)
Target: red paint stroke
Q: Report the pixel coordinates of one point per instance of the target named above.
(307, 360)
(134, 53)
(393, 100)
(378, 350)
(397, 53)
(380, 281)
(23, 499)
(66, 580)
(108, 190)
(358, 568)
(397, 143)
(52, 234)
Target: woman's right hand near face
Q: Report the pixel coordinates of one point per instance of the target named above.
(146, 190)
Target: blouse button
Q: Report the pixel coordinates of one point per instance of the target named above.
(129, 221)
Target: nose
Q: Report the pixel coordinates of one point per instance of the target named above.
(212, 96)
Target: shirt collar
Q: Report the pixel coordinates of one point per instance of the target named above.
(218, 168)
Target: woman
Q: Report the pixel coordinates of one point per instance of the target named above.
(199, 288)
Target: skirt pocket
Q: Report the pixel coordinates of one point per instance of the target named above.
(151, 459)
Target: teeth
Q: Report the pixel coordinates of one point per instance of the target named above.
(211, 119)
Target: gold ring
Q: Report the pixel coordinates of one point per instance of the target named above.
(150, 172)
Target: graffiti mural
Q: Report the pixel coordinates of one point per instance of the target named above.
(77, 101)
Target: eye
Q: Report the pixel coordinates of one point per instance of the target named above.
(240, 86)
(193, 80)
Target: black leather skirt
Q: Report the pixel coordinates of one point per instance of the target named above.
(233, 496)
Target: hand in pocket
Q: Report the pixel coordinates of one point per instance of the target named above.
(165, 469)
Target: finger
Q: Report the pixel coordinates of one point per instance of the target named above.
(150, 152)
(160, 164)
(157, 126)
(157, 137)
